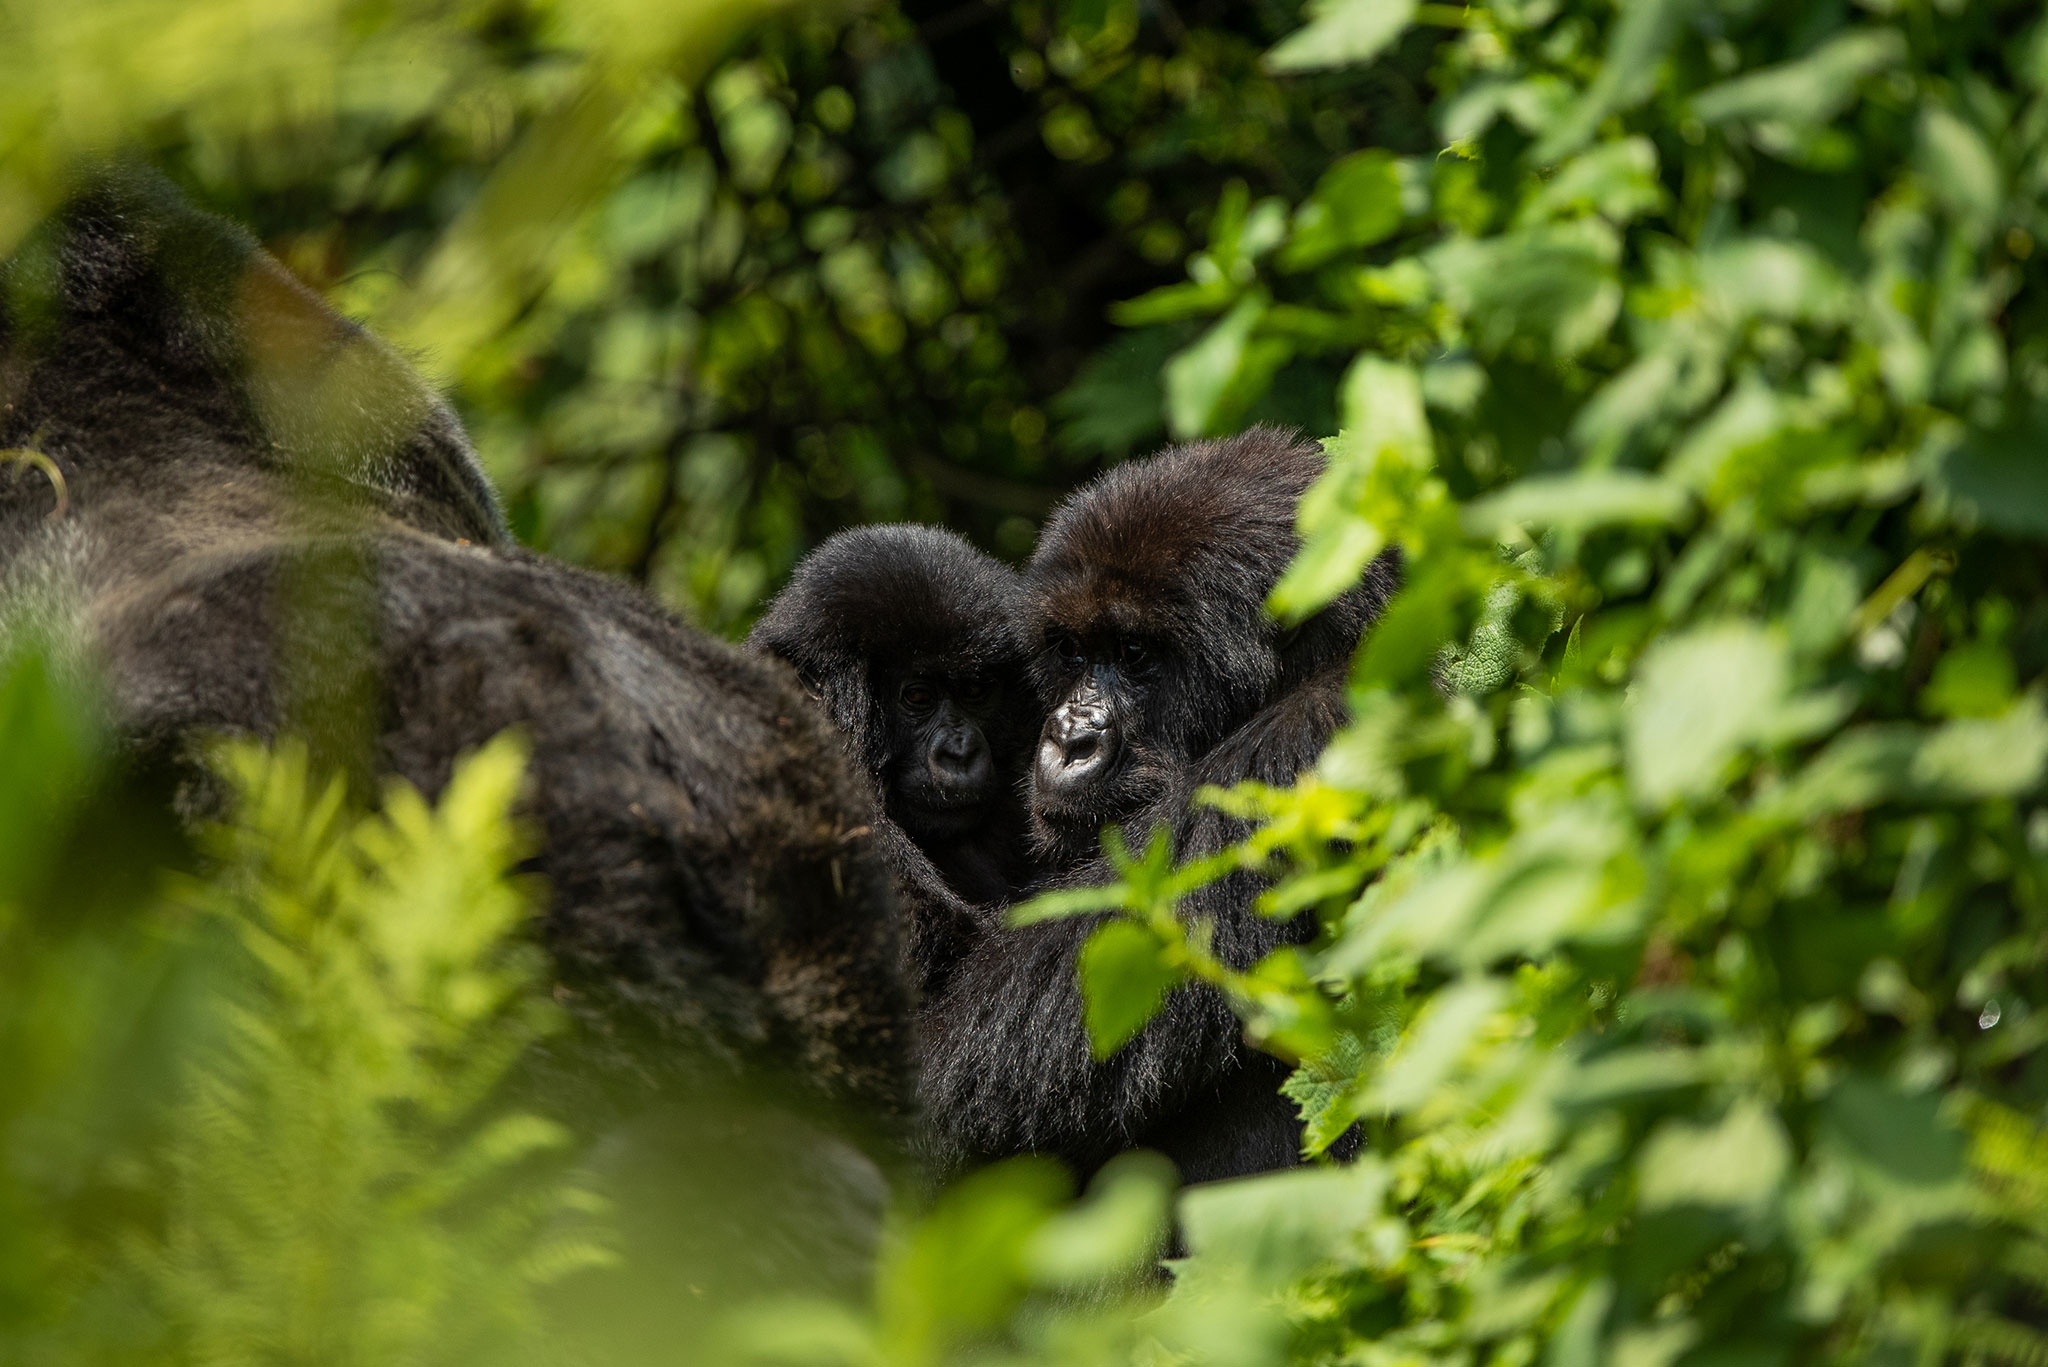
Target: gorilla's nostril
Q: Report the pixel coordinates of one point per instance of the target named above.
(1078, 745)
(961, 765)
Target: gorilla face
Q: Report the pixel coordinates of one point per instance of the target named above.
(941, 770)
(1099, 752)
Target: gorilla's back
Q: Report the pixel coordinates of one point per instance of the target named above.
(251, 515)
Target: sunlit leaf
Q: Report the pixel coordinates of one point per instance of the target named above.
(1343, 33)
(1699, 698)
(1124, 977)
(1739, 1161)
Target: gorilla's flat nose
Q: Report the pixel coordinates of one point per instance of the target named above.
(1078, 744)
(960, 761)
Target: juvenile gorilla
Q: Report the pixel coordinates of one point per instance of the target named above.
(908, 638)
(1163, 673)
(256, 519)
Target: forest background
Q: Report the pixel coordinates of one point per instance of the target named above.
(1681, 875)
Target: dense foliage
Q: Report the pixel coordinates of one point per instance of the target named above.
(1681, 874)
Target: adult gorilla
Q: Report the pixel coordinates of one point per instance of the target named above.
(252, 517)
(1145, 604)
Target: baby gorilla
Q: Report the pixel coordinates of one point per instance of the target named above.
(908, 637)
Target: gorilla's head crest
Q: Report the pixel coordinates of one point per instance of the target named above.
(1184, 549)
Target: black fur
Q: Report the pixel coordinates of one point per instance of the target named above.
(267, 521)
(874, 615)
(1173, 556)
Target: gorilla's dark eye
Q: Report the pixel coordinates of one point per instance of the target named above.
(973, 690)
(918, 696)
(1069, 647)
(1134, 656)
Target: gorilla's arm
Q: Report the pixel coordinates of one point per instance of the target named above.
(939, 926)
(1007, 1066)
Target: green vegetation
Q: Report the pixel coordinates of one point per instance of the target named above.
(1683, 875)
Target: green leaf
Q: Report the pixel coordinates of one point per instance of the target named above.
(1342, 33)
(1960, 166)
(1272, 1229)
(1061, 903)
(1324, 1091)
(54, 753)
(1115, 404)
(1997, 477)
(1973, 680)
(1699, 698)
(1636, 44)
(1115, 1231)
(1580, 501)
(1555, 284)
(1898, 1133)
(1355, 204)
(1761, 277)
(1617, 180)
(1960, 761)
(1174, 303)
(1491, 654)
(962, 1267)
(1809, 91)
(1739, 1162)
(1374, 466)
(1125, 975)
(1204, 378)
(1426, 1056)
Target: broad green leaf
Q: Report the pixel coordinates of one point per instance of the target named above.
(1825, 591)
(1972, 680)
(1342, 33)
(1636, 45)
(1761, 277)
(1324, 1092)
(1114, 1231)
(54, 753)
(1375, 464)
(1617, 180)
(1960, 166)
(1433, 1048)
(1125, 975)
(1174, 303)
(1065, 902)
(1629, 1075)
(1738, 1162)
(1535, 104)
(1899, 1133)
(961, 1269)
(1580, 501)
(1555, 284)
(1960, 761)
(1490, 655)
(1355, 204)
(1698, 699)
(1273, 1228)
(1811, 90)
(1197, 376)
(1998, 478)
